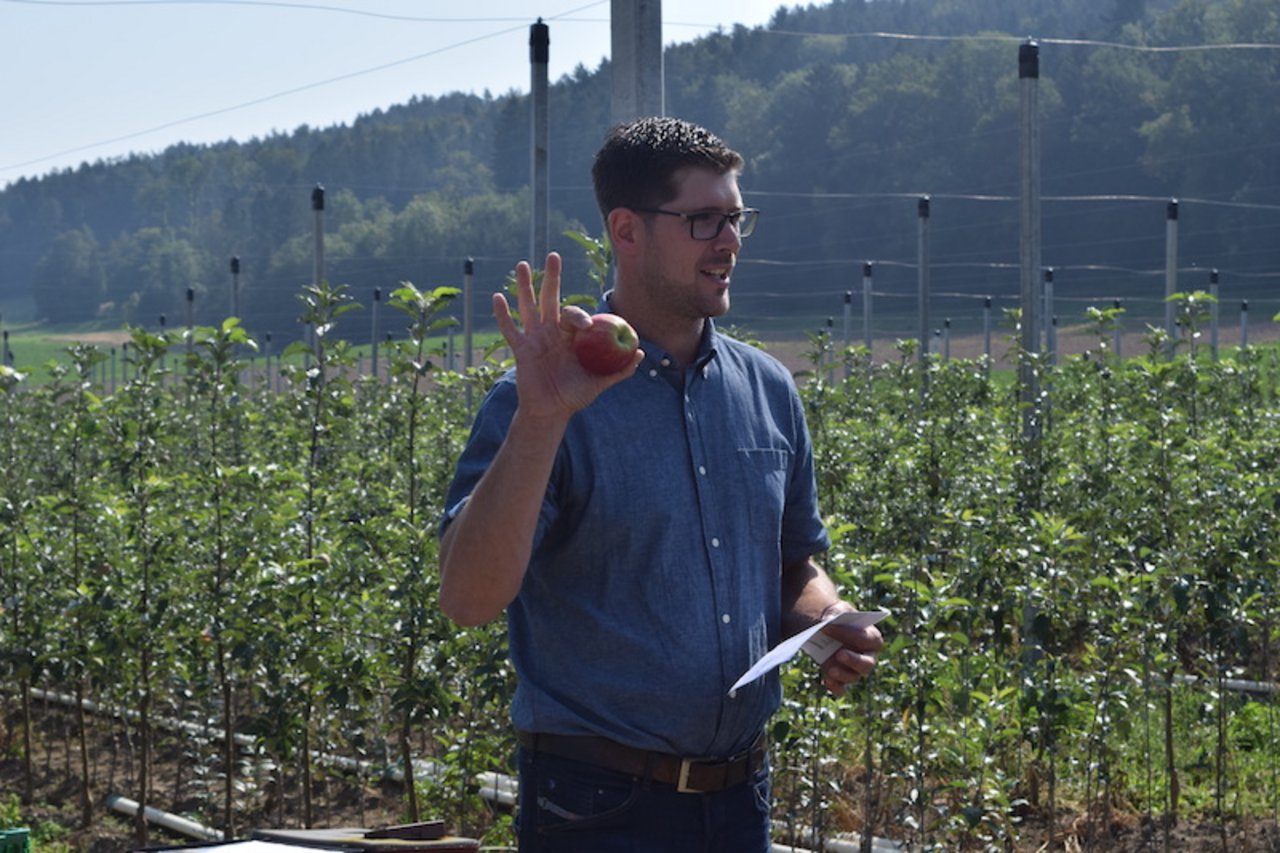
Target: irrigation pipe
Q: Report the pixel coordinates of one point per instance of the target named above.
(850, 843)
(497, 788)
(1268, 688)
(171, 822)
(367, 768)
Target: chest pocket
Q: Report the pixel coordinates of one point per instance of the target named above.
(762, 483)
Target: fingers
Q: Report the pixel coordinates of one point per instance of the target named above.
(855, 660)
(524, 294)
(550, 295)
(543, 306)
(574, 319)
(844, 668)
(506, 324)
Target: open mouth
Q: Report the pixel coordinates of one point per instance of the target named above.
(719, 273)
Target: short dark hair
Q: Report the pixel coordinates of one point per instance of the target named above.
(635, 166)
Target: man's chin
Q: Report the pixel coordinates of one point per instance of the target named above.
(721, 306)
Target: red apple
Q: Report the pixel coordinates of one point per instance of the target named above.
(607, 346)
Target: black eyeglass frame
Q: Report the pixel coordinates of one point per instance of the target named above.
(743, 220)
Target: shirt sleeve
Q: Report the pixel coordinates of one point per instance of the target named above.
(803, 531)
(493, 420)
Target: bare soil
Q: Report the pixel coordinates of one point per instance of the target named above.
(340, 800)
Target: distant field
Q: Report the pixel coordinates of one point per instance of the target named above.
(34, 348)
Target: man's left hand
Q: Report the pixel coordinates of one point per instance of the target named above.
(855, 658)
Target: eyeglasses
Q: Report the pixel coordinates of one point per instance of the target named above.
(708, 225)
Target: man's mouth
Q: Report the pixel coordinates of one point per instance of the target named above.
(720, 273)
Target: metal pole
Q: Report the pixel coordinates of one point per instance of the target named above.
(317, 206)
(1213, 314)
(539, 54)
(830, 356)
(946, 340)
(468, 348)
(986, 327)
(636, 59)
(1115, 333)
(1170, 270)
(848, 310)
(266, 352)
(164, 359)
(1051, 330)
(235, 285)
(922, 275)
(191, 305)
(373, 334)
(1244, 324)
(866, 308)
(1029, 243)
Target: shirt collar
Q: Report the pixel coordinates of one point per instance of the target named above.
(652, 352)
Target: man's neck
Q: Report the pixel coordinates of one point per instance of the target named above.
(680, 338)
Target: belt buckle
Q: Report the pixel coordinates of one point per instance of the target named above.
(682, 784)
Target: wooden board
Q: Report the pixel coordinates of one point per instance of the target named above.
(355, 838)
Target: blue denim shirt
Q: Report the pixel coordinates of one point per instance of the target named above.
(655, 576)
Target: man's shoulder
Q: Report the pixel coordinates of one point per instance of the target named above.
(751, 356)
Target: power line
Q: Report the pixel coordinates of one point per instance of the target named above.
(276, 96)
(256, 101)
(279, 4)
(1010, 198)
(1008, 39)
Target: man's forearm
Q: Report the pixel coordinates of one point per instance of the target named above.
(808, 594)
(485, 550)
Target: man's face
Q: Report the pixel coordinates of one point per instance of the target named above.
(686, 276)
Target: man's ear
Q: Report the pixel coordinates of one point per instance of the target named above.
(625, 229)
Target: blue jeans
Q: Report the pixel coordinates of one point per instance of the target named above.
(570, 807)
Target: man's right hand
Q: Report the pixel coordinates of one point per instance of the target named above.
(550, 381)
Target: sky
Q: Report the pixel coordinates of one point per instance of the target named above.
(90, 80)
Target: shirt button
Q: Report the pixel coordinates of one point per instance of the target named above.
(726, 618)
(653, 373)
(666, 362)
(702, 469)
(715, 542)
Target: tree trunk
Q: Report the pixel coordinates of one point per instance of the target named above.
(28, 776)
(144, 756)
(1171, 765)
(306, 767)
(86, 797)
(228, 748)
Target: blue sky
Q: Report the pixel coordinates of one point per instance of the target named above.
(98, 79)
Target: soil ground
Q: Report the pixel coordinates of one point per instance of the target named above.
(343, 801)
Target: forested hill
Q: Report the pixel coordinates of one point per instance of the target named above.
(848, 112)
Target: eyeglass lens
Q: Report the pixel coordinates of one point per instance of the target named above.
(709, 226)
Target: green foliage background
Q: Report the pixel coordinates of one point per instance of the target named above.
(205, 544)
(842, 129)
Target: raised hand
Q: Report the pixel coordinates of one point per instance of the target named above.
(549, 379)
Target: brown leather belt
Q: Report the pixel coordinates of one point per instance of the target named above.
(689, 775)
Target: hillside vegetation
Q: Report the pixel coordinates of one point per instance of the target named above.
(845, 123)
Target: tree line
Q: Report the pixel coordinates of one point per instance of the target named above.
(845, 111)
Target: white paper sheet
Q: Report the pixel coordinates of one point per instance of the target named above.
(817, 645)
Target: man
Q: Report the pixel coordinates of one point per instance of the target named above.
(650, 533)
